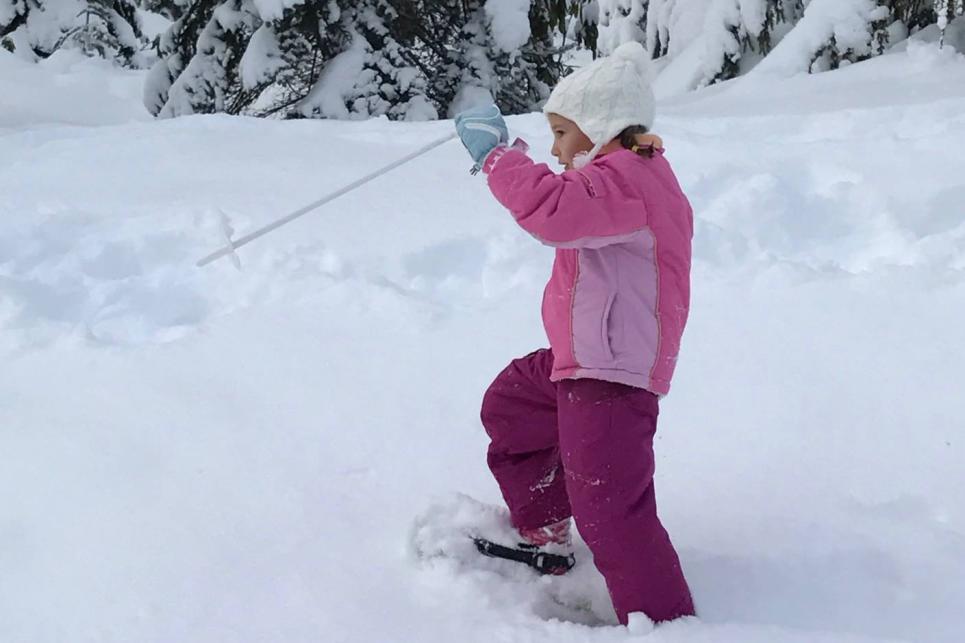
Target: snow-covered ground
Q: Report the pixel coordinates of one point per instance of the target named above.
(222, 455)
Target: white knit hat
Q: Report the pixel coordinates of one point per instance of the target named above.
(607, 96)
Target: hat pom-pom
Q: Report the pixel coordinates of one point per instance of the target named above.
(633, 52)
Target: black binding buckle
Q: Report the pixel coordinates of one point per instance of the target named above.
(531, 555)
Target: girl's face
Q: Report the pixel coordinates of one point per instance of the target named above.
(568, 140)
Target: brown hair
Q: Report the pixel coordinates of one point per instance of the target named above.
(628, 139)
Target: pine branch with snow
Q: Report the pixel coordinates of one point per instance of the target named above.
(13, 16)
(622, 21)
(110, 29)
(390, 82)
(738, 33)
(208, 83)
(310, 37)
(946, 11)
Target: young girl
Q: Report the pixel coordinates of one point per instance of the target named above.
(572, 426)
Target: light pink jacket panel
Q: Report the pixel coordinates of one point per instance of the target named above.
(617, 302)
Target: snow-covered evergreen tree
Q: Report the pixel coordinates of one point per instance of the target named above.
(288, 56)
(622, 21)
(673, 25)
(585, 16)
(108, 29)
(736, 35)
(390, 83)
(209, 81)
(497, 55)
(175, 47)
(13, 18)
(946, 11)
(105, 28)
(740, 32)
(913, 14)
(658, 27)
(405, 59)
(830, 33)
(238, 56)
(525, 61)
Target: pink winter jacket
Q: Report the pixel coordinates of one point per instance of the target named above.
(617, 302)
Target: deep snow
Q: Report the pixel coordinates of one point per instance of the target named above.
(224, 455)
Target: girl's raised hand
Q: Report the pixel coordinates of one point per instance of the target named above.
(481, 130)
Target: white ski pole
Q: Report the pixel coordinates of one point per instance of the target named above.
(234, 245)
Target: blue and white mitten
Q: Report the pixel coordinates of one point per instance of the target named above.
(481, 130)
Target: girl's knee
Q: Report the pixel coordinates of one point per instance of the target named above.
(490, 410)
(499, 404)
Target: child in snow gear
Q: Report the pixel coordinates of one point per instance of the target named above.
(572, 426)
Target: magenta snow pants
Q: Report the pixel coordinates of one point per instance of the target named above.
(584, 448)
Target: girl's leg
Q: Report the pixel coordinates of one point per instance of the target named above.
(519, 414)
(606, 442)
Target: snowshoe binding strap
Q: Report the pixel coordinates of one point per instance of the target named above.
(543, 562)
